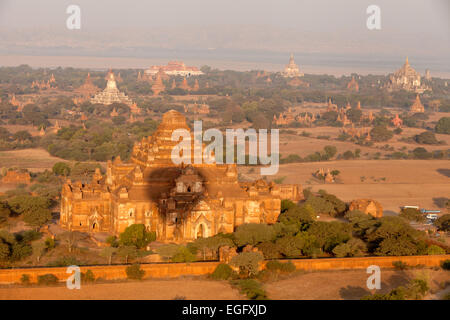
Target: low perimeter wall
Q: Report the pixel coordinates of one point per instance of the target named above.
(172, 270)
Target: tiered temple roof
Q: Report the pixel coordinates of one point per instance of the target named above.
(292, 69)
(111, 94)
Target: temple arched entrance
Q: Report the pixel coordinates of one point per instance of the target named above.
(201, 231)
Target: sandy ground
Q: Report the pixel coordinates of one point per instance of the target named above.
(145, 290)
(345, 285)
(407, 182)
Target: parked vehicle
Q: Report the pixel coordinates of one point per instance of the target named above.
(430, 211)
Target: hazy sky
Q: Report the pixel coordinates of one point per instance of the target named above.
(408, 27)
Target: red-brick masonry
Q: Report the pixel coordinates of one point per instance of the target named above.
(173, 270)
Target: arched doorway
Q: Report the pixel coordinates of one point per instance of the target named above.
(200, 231)
(95, 226)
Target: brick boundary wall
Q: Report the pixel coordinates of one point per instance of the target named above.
(173, 270)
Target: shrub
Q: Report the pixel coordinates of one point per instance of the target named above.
(183, 255)
(49, 243)
(222, 272)
(47, 279)
(88, 276)
(65, 262)
(277, 266)
(269, 249)
(25, 279)
(412, 215)
(247, 262)
(445, 264)
(252, 289)
(400, 265)
(135, 272)
(434, 250)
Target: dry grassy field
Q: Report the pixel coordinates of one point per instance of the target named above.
(191, 289)
(347, 284)
(393, 183)
(31, 159)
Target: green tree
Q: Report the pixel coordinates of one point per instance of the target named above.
(5, 212)
(127, 252)
(330, 234)
(61, 169)
(412, 214)
(247, 262)
(443, 222)
(443, 125)
(253, 233)
(108, 253)
(136, 235)
(39, 248)
(26, 204)
(352, 248)
(426, 137)
(354, 115)
(381, 133)
(37, 218)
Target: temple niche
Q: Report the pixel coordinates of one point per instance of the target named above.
(178, 202)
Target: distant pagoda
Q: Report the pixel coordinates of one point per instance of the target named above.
(111, 94)
(417, 106)
(292, 70)
(88, 88)
(158, 85)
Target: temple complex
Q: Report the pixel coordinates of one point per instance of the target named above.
(284, 118)
(177, 202)
(417, 106)
(406, 78)
(292, 70)
(111, 94)
(174, 68)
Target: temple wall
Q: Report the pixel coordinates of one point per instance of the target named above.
(172, 270)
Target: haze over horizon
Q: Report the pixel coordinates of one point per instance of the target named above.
(245, 35)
